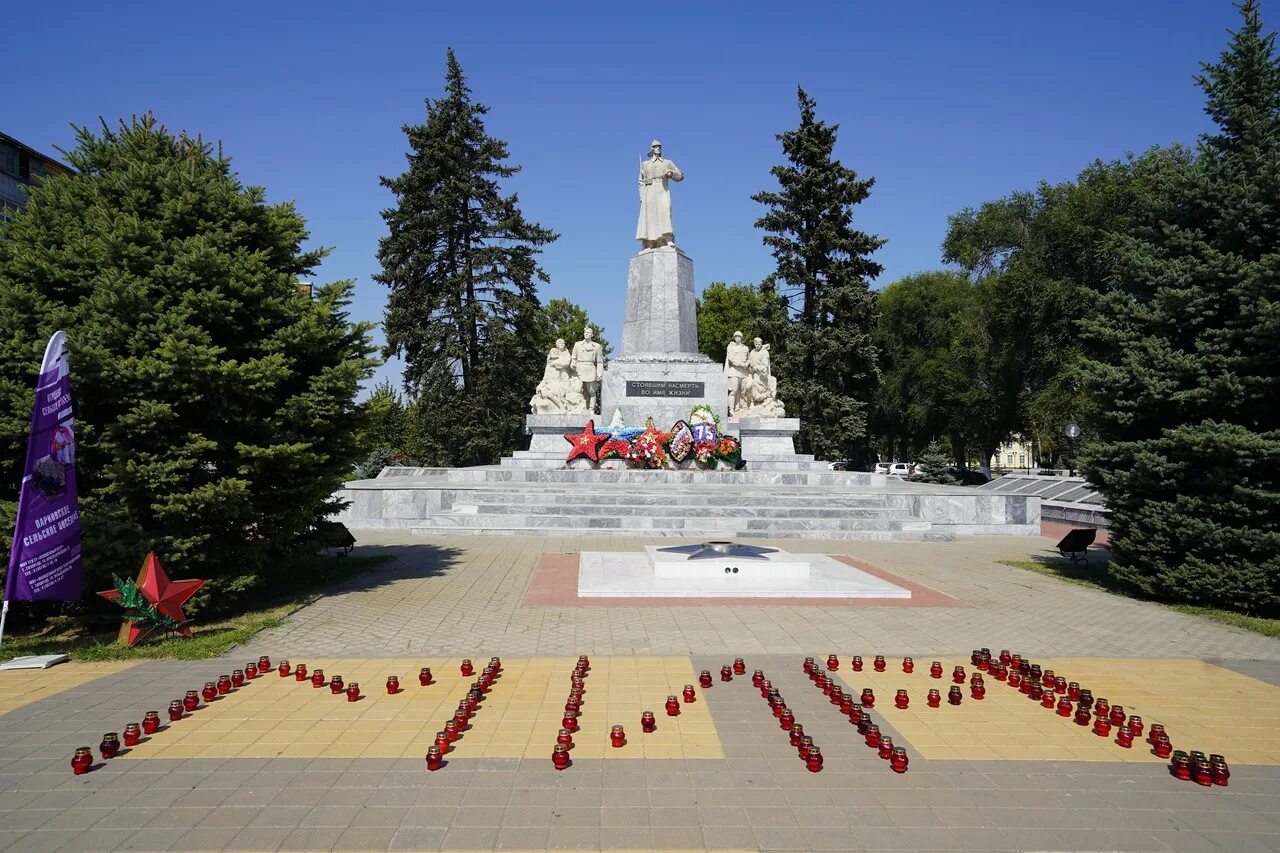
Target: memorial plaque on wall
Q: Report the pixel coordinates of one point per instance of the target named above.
(658, 388)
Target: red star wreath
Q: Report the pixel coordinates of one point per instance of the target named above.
(586, 443)
(615, 448)
(152, 602)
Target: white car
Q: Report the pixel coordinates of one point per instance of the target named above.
(896, 469)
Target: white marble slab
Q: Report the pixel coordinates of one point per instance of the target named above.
(630, 574)
(775, 566)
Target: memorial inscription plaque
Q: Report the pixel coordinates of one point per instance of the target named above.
(659, 388)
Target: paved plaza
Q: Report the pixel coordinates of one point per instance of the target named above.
(280, 765)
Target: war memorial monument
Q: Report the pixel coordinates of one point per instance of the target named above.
(660, 388)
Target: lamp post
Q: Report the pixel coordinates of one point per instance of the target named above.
(1072, 432)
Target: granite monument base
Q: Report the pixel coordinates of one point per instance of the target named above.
(662, 387)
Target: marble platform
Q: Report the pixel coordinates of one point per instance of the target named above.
(631, 574)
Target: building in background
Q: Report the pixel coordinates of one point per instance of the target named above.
(22, 166)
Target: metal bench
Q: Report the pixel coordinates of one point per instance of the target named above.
(1075, 545)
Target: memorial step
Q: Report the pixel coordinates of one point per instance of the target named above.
(704, 511)
(861, 534)
(765, 526)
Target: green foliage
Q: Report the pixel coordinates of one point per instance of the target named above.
(566, 319)
(1184, 355)
(820, 315)
(934, 464)
(724, 309)
(460, 261)
(140, 611)
(214, 400)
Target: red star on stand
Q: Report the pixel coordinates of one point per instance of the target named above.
(166, 596)
(586, 443)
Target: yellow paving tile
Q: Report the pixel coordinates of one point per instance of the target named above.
(1203, 707)
(21, 687)
(520, 717)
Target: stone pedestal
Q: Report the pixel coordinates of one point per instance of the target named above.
(661, 311)
(767, 438)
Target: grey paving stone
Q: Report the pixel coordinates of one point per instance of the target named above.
(412, 839)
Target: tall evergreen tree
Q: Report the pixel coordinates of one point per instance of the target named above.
(822, 314)
(214, 400)
(460, 260)
(1185, 355)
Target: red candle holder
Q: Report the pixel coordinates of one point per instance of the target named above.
(1064, 707)
(689, 694)
(317, 678)
(570, 721)
(908, 665)
(224, 685)
(1048, 700)
(868, 698)
(865, 723)
(1086, 697)
(560, 757)
(902, 700)
(1162, 747)
(1000, 671)
(451, 730)
(237, 678)
(251, 670)
(1083, 716)
(300, 672)
(442, 741)
(1135, 724)
(572, 705)
(886, 747)
(460, 718)
(739, 666)
(496, 662)
(957, 675)
(424, 676)
(1034, 673)
(978, 690)
(813, 760)
(1218, 768)
(1047, 678)
(151, 722)
(833, 663)
(1005, 657)
(1015, 678)
(857, 663)
(726, 673)
(466, 668)
(1124, 737)
(1073, 691)
(846, 704)
(648, 723)
(838, 696)
(1035, 691)
(855, 713)
(82, 760)
(565, 737)
(872, 736)
(778, 707)
(1101, 707)
(264, 664)
(1059, 684)
(336, 685)
(1157, 732)
(898, 760)
(797, 734)
(984, 663)
(1202, 773)
(935, 669)
(975, 656)
(393, 685)
(1015, 661)
(176, 711)
(704, 678)
(765, 687)
(879, 663)
(617, 737)
(757, 678)
(283, 669)
(934, 699)
(353, 691)
(1102, 727)
(1117, 715)
(1180, 766)
(132, 734)
(110, 745)
(435, 758)
(786, 720)
(954, 696)
(191, 701)
(210, 691)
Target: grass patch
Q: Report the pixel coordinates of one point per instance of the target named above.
(302, 582)
(1096, 576)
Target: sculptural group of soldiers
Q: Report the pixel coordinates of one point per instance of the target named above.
(570, 382)
(753, 389)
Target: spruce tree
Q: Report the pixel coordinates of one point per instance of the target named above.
(214, 399)
(1185, 355)
(460, 260)
(821, 314)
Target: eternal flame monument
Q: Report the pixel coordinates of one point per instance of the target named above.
(660, 374)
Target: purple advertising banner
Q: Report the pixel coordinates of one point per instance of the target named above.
(45, 561)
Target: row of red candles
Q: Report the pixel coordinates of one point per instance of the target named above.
(859, 715)
(1051, 691)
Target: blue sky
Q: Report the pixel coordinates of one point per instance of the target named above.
(945, 104)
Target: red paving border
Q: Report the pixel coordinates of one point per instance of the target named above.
(555, 584)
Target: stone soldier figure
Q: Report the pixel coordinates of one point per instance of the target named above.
(654, 228)
(735, 368)
(588, 363)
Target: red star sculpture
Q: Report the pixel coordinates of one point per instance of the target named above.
(165, 595)
(586, 443)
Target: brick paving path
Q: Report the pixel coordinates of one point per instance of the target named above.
(467, 596)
